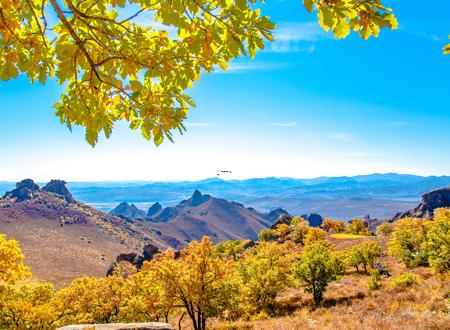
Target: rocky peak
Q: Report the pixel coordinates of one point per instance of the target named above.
(430, 201)
(58, 187)
(24, 190)
(127, 211)
(274, 214)
(284, 219)
(197, 198)
(155, 208)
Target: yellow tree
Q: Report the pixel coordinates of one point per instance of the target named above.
(12, 268)
(200, 282)
(315, 235)
(115, 68)
(438, 241)
(358, 227)
(407, 241)
(262, 274)
(94, 300)
(299, 229)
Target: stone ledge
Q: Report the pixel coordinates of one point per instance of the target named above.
(119, 326)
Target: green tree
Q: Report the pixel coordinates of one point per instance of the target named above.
(115, 68)
(407, 241)
(317, 268)
(437, 242)
(374, 282)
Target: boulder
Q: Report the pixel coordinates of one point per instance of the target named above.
(59, 188)
(315, 220)
(135, 259)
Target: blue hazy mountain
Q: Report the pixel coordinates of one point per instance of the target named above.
(380, 195)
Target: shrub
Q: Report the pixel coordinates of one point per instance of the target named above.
(404, 281)
(267, 235)
(374, 281)
(384, 229)
(282, 231)
(407, 241)
(317, 268)
(363, 255)
(438, 241)
(358, 227)
(299, 230)
(314, 235)
(333, 225)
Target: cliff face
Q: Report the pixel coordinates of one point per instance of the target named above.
(430, 201)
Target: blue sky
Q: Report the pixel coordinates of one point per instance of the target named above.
(308, 105)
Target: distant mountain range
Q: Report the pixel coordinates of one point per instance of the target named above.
(381, 195)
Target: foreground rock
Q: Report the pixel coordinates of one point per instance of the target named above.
(430, 201)
(135, 259)
(120, 326)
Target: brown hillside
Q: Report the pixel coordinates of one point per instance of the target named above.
(63, 240)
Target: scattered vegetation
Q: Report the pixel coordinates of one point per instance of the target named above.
(238, 285)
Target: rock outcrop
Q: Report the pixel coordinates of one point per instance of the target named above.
(24, 190)
(59, 188)
(315, 220)
(127, 211)
(430, 201)
(155, 208)
(135, 259)
(274, 214)
(284, 219)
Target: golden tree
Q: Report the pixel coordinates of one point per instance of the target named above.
(263, 273)
(200, 283)
(115, 68)
(12, 268)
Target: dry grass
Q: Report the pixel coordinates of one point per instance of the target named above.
(347, 236)
(349, 305)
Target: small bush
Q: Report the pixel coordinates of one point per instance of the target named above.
(405, 280)
(374, 281)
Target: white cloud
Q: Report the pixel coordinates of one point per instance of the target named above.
(287, 124)
(340, 136)
(297, 37)
(242, 67)
(396, 123)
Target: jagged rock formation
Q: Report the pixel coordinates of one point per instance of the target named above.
(430, 201)
(204, 215)
(155, 208)
(127, 211)
(315, 220)
(58, 187)
(284, 219)
(24, 190)
(135, 259)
